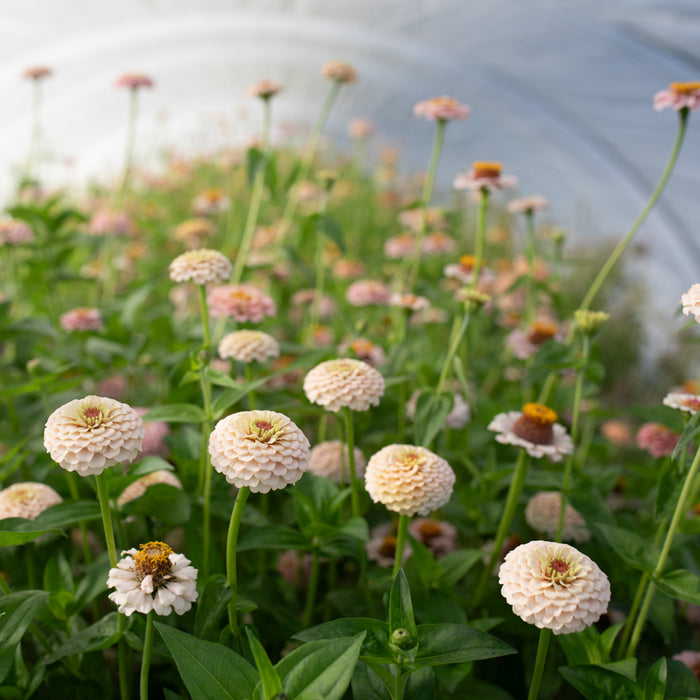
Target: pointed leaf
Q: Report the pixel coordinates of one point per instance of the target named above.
(455, 565)
(271, 683)
(633, 548)
(401, 608)
(604, 682)
(681, 584)
(273, 537)
(655, 682)
(17, 611)
(211, 607)
(367, 684)
(176, 413)
(375, 645)
(164, 502)
(431, 411)
(103, 634)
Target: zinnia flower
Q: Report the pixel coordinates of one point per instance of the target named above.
(409, 301)
(533, 428)
(399, 247)
(657, 439)
(37, 73)
(678, 96)
(365, 350)
(263, 450)
(306, 297)
(137, 488)
(247, 345)
(360, 128)
(88, 435)
(201, 266)
(691, 659)
(335, 384)
(339, 71)
(210, 202)
(15, 232)
(27, 499)
(133, 81)
(345, 269)
(484, 176)
(525, 343)
(81, 319)
(153, 578)
(409, 480)
(438, 536)
(691, 302)
(154, 436)
(193, 231)
(528, 205)
(367, 293)
(240, 301)
(381, 546)
(264, 89)
(682, 401)
(542, 515)
(330, 459)
(106, 221)
(554, 586)
(438, 242)
(441, 109)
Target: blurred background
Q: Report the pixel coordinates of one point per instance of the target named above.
(561, 93)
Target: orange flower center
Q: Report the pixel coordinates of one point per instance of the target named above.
(684, 88)
(466, 262)
(535, 424)
(691, 402)
(361, 347)
(153, 559)
(690, 386)
(388, 548)
(540, 331)
(486, 169)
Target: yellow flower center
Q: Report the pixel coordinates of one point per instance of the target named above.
(684, 88)
(482, 168)
(153, 559)
(93, 416)
(560, 570)
(263, 428)
(535, 424)
(212, 195)
(540, 331)
(466, 262)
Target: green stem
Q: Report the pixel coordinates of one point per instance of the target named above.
(320, 275)
(666, 548)
(398, 683)
(425, 201)
(401, 531)
(480, 237)
(311, 590)
(122, 652)
(350, 446)
(146, 659)
(204, 311)
(130, 136)
(516, 487)
(542, 646)
(231, 541)
(103, 497)
(530, 250)
(451, 352)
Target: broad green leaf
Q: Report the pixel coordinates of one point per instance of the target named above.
(210, 671)
(325, 224)
(17, 611)
(376, 641)
(681, 584)
(601, 682)
(636, 550)
(357, 528)
(431, 411)
(176, 413)
(11, 537)
(221, 378)
(57, 574)
(273, 537)
(367, 684)
(420, 685)
(211, 607)
(68, 514)
(455, 565)
(450, 644)
(655, 682)
(670, 485)
(681, 682)
(164, 502)
(323, 667)
(271, 683)
(103, 634)
(423, 562)
(400, 607)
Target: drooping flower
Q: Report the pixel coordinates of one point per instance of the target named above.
(381, 546)
(335, 384)
(367, 292)
(339, 71)
(91, 434)
(27, 499)
(441, 109)
(408, 479)
(484, 175)
(439, 536)
(527, 205)
(264, 89)
(137, 488)
(133, 81)
(542, 515)
(15, 232)
(678, 96)
(682, 401)
(657, 439)
(263, 450)
(330, 459)
(81, 319)
(534, 428)
(554, 586)
(202, 266)
(691, 302)
(240, 301)
(249, 345)
(153, 578)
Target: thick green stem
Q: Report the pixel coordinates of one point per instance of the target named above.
(231, 542)
(540, 660)
(480, 237)
(146, 658)
(401, 531)
(311, 590)
(103, 498)
(350, 446)
(398, 683)
(204, 311)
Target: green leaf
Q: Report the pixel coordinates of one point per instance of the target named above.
(323, 667)
(17, 611)
(219, 378)
(681, 682)
(103, 634)
(255, 159)
(164, 502)
(400, 607)
(424, 562)
(176, 413)
(420, 685)
(211, 607)
(325, 224)
(367, 684)
(681, 584)
(655, 682)
(451, 644)
(273, 537)
(57, 574)
(132, 304)
(68, 514)
(210, 671)
(692, 427)
(455, 565)
(271, 683)
(431, 411)
(633, 548)
(670, 485)
(376, 641)
(604, 682)
(10, 537)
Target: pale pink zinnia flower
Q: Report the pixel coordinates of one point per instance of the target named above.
(240, 301)
(409, 301)
(211, 201)
(306, 297)
(616, 431)
(691, 659)
(528, 205)
(360, 128)
(367, 292)
(554, 586)
(409, 480)
(399, 247)
(534, 428)
(678, 96)
(137, 488)
(27, 499)
(37, 73)
(657, 439)
(337, 384)
(682, 401)
(248, 345)
(133, 81)
(437, 243)
(330, 459)
(691, 302)
(542, 515)
(81, 319)
(485, 175)
(345, 269)
(106, 221)
(441, 109)
(15, 232)
(339, 71)
(201, 266)
(439, 536)
(381, 546)
(264, 89)
(154, 437)
(294, 569)
(262, 450)
(365, 350)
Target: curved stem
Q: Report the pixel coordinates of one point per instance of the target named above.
(350, 446)
(231, 541)
(400, 541)
(146, 659)
(542, 646)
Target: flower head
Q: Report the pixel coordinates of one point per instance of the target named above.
(367, 293)
(88, 435)
(691, 659)
(588, 322)
(542, 515)
(527, 205)
(240, 301)
(210, 202)
(441, 109)
(133, 81)
(27, 499)
(263, 450)
(365, 350)
(339, 71)
(657, 439)
(360, 128)
(381, 546)
(399, 247)
(37, 72)
(456, 419)
(192, 232)
(153, 578)
(438, 536)
(691, 302)
(525, 343)
(264, 89)
(15, 232)
(335, 384)
(106, 221)
(678, 96)
(408, 479)
(330, 459)
(484, 175)
(248, 345)
(438, 242)
(554, 586)
(81, 319)
(409, 301)
(201, 266)
(307, 297)
(345, 269)
(534, 428)
(683, 401)
(137, 488)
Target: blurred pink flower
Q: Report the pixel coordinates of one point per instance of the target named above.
(691, 302)
(438, 242)
(133, 81)
(339, 71)
(441, 109)
(264, 89)
(527, 204)
(678, 96)
(81, 319)
(37, 73)
(367, 292)
(409, 301)
(484, 175)
(211, 201)
(106, 221)
(345, 269)
(525, 343)
(438, 536)
(399, 247)
(240, 301)
(295, 569)
(154, 437)
(305, 297)
(381, 546)
(682, 401)
(360, 128)
(657, 439)
(691, 659)
(365, 350)
(15, 231)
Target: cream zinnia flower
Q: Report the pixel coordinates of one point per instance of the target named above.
(240, 301)
(554, 586)
(335, 384)
(153, 578)
(263, 450)
(201, 266)
(330, 459)
(682, 401)
(409, 480)
(542, 515)
(691, 302)
(339, 71)
(246, 346)
(27, 499)
(137, 488)
(88, 435)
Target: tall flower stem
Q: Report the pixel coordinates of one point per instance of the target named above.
(425, 201)
(35, 139)
(231, 542)
(479, 243)
(146, 658)
(311, 590)
(130, 137)
(320, 274)
(255, 199)
(516, 487)
(530, 251)
(350, 445)
(401, 531)
(665, 549)
(451, 352)
(542, 646)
